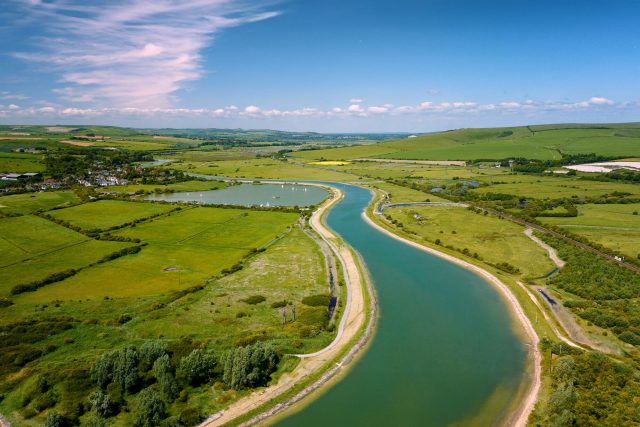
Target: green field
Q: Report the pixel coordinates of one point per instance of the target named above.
(494, 144)
(22, 204)
(552, 187)
(261, 168)
(105, 214)
(495, 240)
(173, 290)
(613, 226)
(21, 163)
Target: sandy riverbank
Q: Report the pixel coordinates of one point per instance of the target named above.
(521, 414)
(352, 322)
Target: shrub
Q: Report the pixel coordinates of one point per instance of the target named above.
(279, 304)
(317, 300)
(56, 420)
(254, 299)
(630, 337)
(5, 302)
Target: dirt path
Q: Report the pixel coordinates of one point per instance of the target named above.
(352, 321)
(521, 414)
(553, 254)
(4, 422)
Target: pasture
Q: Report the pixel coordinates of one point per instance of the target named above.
(26, 203)
(494, 144)
(495, 240)
(33, 248)
(104, 214)
(613, 226)
(552, 187)
(262, 168)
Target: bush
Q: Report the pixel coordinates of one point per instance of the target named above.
(5, 302)
(56, 420)
(279, 304)
(630, 337)
(35, 285)
(254, 299)
(317, 300)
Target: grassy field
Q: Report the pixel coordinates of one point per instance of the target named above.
(105, 214)
(541, 187)
(613, 226)
(398, 193)
(262, 168)
(495, 143)
(495, 240)
(21, 163)
(22, 204)
(185, 248)
(174, 290)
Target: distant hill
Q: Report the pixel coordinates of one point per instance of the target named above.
(543, 142)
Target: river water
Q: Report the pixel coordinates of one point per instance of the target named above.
(444, 351)
(251, 195)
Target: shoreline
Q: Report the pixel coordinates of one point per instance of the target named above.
(354, 319)
(524, 409)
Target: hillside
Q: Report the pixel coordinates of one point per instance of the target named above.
(544, 142)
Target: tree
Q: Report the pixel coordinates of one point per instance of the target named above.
(102, 370)
(149, 410)
(55, 420)
(150, 352)
(101, 403)
(125, 368)
(164, 372)
(197, 366)
(249, 366)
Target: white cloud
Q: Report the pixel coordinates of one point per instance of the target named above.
(378, 109)
(596, 100)
(426, 108)
(131, 52)
(355, 101)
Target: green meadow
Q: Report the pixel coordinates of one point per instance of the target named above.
(614, 226)
(26, 203)
(494, 240)
(495, 144)
(105, 214)
(205, 277)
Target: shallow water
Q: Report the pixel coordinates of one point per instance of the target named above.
(251, 195)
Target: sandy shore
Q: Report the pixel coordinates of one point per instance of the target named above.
(521, 414)
(352, 322)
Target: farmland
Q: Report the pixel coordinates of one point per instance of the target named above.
(614, 226)
(199, 278)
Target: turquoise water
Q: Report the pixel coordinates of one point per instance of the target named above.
(251, 195)
(443, 346)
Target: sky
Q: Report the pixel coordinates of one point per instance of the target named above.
(311, 65)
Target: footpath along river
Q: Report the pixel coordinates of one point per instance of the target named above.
(444, 351)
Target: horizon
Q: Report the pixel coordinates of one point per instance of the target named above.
(335, 67)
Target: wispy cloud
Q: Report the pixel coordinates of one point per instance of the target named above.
(131, 53)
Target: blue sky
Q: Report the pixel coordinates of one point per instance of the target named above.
(330, 65)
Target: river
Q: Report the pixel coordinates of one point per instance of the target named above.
(444, 352)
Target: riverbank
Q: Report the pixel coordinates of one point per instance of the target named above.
(355, 323)
(521, 413)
